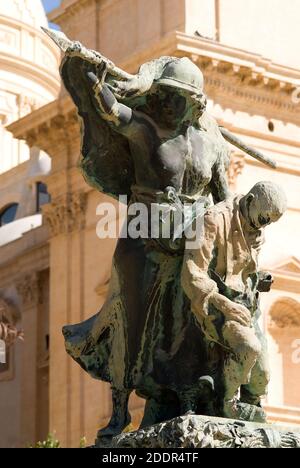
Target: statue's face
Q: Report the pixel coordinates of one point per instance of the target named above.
(259, 213)
(176, 105)
(172, 104)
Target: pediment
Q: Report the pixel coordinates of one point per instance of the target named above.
(289, 266)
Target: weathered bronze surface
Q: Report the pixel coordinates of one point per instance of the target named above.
(222, 280)
(200, 432)
(180, 324)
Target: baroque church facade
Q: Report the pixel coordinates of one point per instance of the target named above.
(53, 268)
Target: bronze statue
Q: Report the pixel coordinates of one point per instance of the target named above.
(222, 280)
(147, 136)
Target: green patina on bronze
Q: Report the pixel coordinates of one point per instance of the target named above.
(171, 325)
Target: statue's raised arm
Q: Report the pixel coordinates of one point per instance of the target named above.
(148, 136)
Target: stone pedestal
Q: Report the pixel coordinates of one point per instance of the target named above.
(194, 432)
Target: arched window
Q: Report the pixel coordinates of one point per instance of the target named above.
(8, 215)
(42, 196)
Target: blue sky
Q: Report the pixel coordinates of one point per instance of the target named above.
(50, 4)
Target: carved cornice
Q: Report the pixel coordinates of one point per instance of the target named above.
(66, 214)
(28, 288)
(60, 131)
(63, 13)
(238, 79)
(243, 80)
(245, 98)
(53, 126)
(247, 76)
(252, 68)
(289, 267)
(286, 275)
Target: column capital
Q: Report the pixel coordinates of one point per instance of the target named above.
(66, 213)
(52, 128)
(28, 289)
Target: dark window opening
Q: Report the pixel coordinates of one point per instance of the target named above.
(47, 338)
(8, 215)
(271, 126)
(42, 196)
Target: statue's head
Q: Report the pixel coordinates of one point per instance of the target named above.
(184, 75)
(264, 204)
(180, 91)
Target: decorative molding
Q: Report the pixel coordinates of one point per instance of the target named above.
(8, 37)
(285, 313)
(236, 167)
(66, 214)
(28, 289)
(27, 104)
(64, 12)
(22, 48)
(56, 132)
(250, 81)
(233, 71)
(286, 275)
(205, 432)
(24, 11)
(283, 414)
(223, 89)
(291, 266)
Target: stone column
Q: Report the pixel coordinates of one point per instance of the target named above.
(59, 136)
(65, 217)
(28, 290)
(284, 328)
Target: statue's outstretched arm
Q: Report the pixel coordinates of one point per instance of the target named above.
(109, 108)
